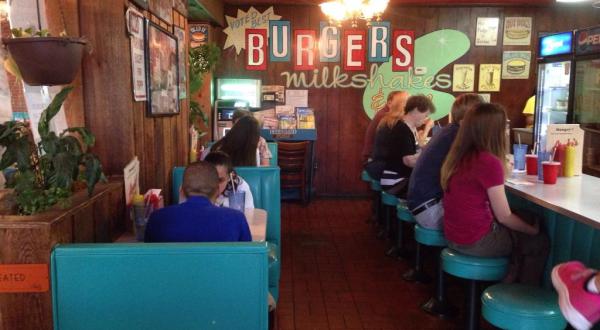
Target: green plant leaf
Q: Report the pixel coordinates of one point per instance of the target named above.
(65, 170)
(52, 110)
(93, 172)
(88, 138)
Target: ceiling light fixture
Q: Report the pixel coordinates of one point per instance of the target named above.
(340, 10)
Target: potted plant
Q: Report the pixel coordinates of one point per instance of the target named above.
(45, 174)
(43, 59)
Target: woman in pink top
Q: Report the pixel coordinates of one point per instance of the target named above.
(477, 218)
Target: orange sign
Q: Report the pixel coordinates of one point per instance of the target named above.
(24, 278)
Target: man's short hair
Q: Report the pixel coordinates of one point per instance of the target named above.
(419, 102)
(200, 179)
(237, 114)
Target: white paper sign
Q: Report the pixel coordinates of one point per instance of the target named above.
(487, 31)
(131, 176)
(564, 133)
(517, 31)
(135, 27)
(296, 97)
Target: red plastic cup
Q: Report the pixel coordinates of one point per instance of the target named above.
(531, 162)
(550, 171)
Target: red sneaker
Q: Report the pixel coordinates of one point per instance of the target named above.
(580, 307)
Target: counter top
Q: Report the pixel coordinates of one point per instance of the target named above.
(576, 197)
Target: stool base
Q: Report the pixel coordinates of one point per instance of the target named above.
(443, 310)
(397, 252)
(414, 275)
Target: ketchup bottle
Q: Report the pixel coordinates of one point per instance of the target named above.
(559, 156)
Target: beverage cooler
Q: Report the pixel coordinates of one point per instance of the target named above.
(586, 106)
(233, 94)
(555, 78)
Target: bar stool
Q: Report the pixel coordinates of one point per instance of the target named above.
(389, 203)
(519, 306)
(404, 216)
(423, 237)
(364, 176)
(376, 188)
(474, 270)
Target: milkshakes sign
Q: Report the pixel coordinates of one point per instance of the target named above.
(393, 58)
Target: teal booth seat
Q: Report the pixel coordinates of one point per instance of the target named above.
(265, 186)
(518, 306)
(272, 148)
(160, 286)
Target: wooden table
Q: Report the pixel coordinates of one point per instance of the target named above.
(257, 221)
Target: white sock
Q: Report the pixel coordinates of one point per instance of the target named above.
(591, 285)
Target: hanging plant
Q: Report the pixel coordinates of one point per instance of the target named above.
(43, 59)
(203, 59)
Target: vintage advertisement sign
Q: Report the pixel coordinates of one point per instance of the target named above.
(463, 78)
(135, 28)
(489, 77)
(198, 35)
(487, 31)
(587, 41)
(515, 65)
(517, 31)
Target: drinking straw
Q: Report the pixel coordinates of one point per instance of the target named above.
(533, 151)
(519, 138)
(232, 183)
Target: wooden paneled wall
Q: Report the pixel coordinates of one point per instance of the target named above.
(122, 127)
(341, 121)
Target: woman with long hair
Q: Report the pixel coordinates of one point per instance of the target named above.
(240, 142)
(477, 218)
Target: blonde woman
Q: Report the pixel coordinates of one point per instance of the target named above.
(477, 218)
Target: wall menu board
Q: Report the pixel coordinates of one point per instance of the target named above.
(587, 41)
(556, 44)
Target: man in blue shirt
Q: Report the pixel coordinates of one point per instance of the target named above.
(424, 190)
(198, 219)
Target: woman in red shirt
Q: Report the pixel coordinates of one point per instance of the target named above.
(477, 218)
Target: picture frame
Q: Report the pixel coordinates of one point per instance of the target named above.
(162, 71)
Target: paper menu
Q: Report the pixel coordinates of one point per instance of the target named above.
(131, 176)
(564, 133)
(296, 97)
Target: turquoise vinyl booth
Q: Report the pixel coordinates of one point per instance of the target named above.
(160, 286)
(265, 186)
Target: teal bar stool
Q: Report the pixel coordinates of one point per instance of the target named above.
(364, 175)
(423, 237)
(474, 270)
(519, 306)
(404, 216)
(389, 203)
(376, 188)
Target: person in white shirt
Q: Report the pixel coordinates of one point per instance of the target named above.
(228, 179)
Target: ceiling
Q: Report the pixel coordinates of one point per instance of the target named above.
(400, 2)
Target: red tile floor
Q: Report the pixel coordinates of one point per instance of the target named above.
(335, 274)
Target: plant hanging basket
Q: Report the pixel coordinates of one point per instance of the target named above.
(47, 60)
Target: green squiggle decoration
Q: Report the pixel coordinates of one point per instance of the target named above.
(433, 51)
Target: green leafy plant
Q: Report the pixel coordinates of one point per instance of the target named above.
(45, 173)
(32, 32)
(202, 60)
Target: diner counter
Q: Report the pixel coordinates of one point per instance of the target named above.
(575, 197)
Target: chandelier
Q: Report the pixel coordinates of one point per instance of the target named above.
(340, 10)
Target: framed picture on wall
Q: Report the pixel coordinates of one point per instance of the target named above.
(162, 71)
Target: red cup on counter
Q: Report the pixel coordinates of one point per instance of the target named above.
(550, 171)
(531, 164)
